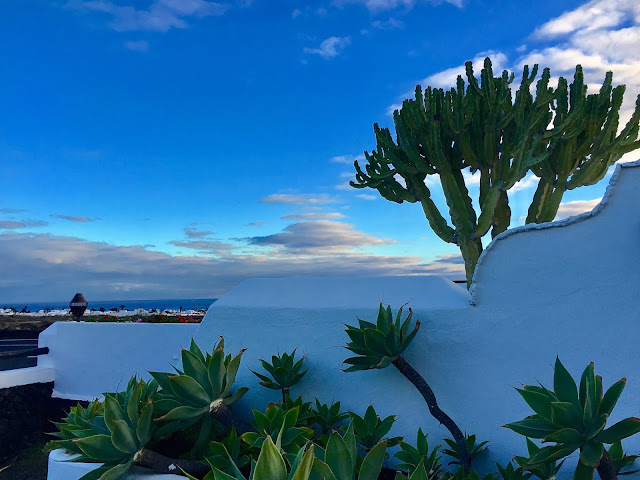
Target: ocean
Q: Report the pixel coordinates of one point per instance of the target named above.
(166, 304)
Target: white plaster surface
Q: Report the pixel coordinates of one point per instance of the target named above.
(26, 376)
(92, 358)
(570, 288)
(60, 468)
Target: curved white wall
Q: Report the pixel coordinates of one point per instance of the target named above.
(569, 288)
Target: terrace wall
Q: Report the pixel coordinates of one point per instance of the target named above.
(568, 288)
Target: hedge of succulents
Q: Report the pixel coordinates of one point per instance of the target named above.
(182, 422)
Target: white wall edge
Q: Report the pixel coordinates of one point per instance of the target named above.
(555, 224)
(26, 376)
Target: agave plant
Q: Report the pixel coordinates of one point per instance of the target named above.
(410, 458)
(370, 429)
(269, 466)
(511, 473)
(201, 391)
(544, 471)
(327, 418)
(461, 474)
(117, 437)
(621, 459)
(231, 450)
(340, 460)
(473, 449)
(380, 344)
(284, 372)
(80, 422)
(575, 419)
(277, 419)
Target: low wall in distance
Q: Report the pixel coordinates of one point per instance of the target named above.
(92, 358)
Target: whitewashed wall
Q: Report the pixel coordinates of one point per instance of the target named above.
(569, 288)
(92, 358)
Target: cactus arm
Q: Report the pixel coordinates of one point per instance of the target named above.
(501, 214)
(425, 390)
(540, 198)
(436, 221)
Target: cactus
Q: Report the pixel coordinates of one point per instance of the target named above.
(482, 129)
(574, 419)
(380, 344)
(284, 372)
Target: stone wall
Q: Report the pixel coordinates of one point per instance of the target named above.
(25, 414)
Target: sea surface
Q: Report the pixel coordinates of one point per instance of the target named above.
(165, 304)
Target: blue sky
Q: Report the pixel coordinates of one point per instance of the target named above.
(173, 148)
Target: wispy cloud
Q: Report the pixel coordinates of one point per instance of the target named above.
(330, 48)
(299, 199)
(161, 15)
(74, 219)
(195, 233)
(366, 196)
(319, 238)
(313, 216)
(11, 225)
(390, 24)
(137, 45)
(52, 266)
(12, 210)
(257, 224)
(376, 6)
(211, 247)
(347, 159)
(569, 209)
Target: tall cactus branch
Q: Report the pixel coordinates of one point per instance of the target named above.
(564, 137)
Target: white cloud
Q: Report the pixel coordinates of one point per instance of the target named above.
(45, 267)
(529, 181)
(594, 15)
(137, 46)
(376, 6)
(313, 216)
(366, 196)
(161, 15)
(569, 209)
(195, 233)
(347, 159)
(299, 199)
(330, 48)
(391, 24)
(447, 78)
(12, 225)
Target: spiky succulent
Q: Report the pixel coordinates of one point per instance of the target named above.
(370, 429)
(511, 473)
(340, 460)
(474, 449)
(284, 372)
(116, 437)
(621, 459)
(410, 457)
(78, 423)
(544, 471)
(198, 392)
(327, 418)
(574, 419)
(270, 465)
(229, 450)
(276, 419)
(378, 344)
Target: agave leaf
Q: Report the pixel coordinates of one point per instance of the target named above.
(539, 402)
(583, 472)
(303, 469)
(123, 438)
(564, 386)
(565, 435)
(566, 415)
(350, 440)
(531, 428)
(190, 391)
(112, 411)
(321, 471)
(235, 396)
(591, 453)
(374, 340)
(232, 371)
(96, 473)
(549, 454)
(623, 429)
(216, 370)
(611, 397)
(165, 405)
(100, 448)
(162, 378)
(596, 427)
(195, 368)
(338, 458)
(372, 463)
(270, 464)
(132, 405)
(185, 413)
(143, 428)
(117, 472)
